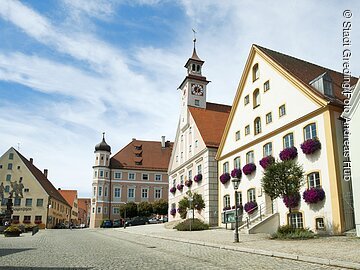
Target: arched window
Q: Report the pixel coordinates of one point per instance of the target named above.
(257, 125)
(267, 149)
(237, 162)
(255, 72)
(226, 167)
(256, 98)
(313, 180)
(310, 131)
(250, 157)
(227, 201)
(198, 68)
(288, 140)
(251, 196)
(193, 67)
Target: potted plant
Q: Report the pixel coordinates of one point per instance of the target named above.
(267, 161)
(288, 153)
(250, 207)
(292, 201)
(173, 190)
(249, 168)
(12, 231)
(173, 212)
(188, 183)
(236, 173)
(224, 178)
(310, 146)
(198, 177)
(180, 187)
(313, 195)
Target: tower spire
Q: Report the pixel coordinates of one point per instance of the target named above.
(194, 40)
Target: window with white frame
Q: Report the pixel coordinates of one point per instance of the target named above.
(268, 118)
(239, 197)
(94, 194)
(226, 167)
(310, 131)
(313, 180)
(246, 100)
(117, 175)
(145, 176)
(106, 174)
(282, 110)
(158, 177)
(99, 210)
(8, 177)
(131, 193)
(320, 224)
(296, 220)
(105, 191)
(256, 98)
(157, 193)
(190, 174)
(267, 149)
(101, 173)
(288, 140)
(255, 72)
(227, 201)
(181, 179)
(144, 193)
(247, 130)
(251, 196)
(266, 86)
(117, 192)
(105, 209)
(250, 157)
(237, 162)
(257, 125)
(100, 191)
(237, 135)
(199, 169)
(11, 155)
(131, 176)
(116, 210)
(174, 182)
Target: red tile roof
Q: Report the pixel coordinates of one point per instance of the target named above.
(211, 122)
(69, 195)
(44, 182)
(153, 156)
(305, 72)
(83, 202)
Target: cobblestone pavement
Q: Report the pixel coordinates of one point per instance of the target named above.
(116, 249)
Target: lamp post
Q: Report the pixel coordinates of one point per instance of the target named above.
(236, 182)
(191, 207)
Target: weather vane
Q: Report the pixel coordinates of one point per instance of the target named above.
(194, 36)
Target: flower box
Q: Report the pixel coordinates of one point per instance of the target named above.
(15, 222)
(173, 190)
(292, 201)
(188, 183)
(226, 208)
(250, 207)
(38, 222)
(198, 177)
(288, 153)
(180, 187)
(239, 206)
(224, 178)
(249, 168)
(267, 161)
(26, 221)
(236, 173)
(310, 146)
(313, 195)
(173, 212)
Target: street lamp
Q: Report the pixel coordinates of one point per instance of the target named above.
(191, 207)
(236, 182)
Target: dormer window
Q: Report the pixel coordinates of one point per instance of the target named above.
(323, 84)
(255, 72)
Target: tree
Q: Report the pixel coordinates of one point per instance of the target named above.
(184, 204)
(128, 210)
(283, 179)
(160, 207)
(145, 209)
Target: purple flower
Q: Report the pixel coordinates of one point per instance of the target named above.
(198, 177)
(188, 183)
(224, 178)
(313, 195)
(266, 161)
(292, 201)
(173, 212)
(310, 146)
(236, 173)
(249, 168)
(250, 207)
(288, 153)
(180, 186)
(173, 190)
(226, 208)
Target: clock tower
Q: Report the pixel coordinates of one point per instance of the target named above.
(193, 87)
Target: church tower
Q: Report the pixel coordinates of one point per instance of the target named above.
(193, 87)
(101, 184)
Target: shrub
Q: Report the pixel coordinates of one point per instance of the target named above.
(173, 190)
(288, 232)
(180, 187)
(249, 168)
(236, 173)
(198, 177)
(313, 195)
(250, 207)
(267, 161)
(188, 183)
(196, 225)
(288, 153)
(12, 229)
(310, 146)
(292, 201)
(224, 178)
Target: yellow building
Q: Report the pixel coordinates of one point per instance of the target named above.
(40, 202)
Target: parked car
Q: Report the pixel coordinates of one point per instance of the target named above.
(154, 220)
(118, 223)
(106, 224)
(60, 226)
(137, 221)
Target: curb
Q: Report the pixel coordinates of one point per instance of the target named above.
(275, 254)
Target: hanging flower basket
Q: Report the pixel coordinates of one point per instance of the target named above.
(292, 201)
(198, 177)
(224, 178)
(239, 206)
(267, 161)
(250, 207)
(313, 195)
(173, 190)
(236, 173)
(249, 168)
(188, 183)
(180, 187)
(310, 146)
(226, 208)
(288, 153)
(173, 212)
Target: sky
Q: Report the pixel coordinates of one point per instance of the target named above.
(72, 69)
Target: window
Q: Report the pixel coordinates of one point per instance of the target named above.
(226, 167)
(310, 132)
(95, 174)
(190, 129)
(28, 202)
(10, 166)
(288, 140)
(116, 210)
(11, 155)
(158, 177)
(117, 175)
(282, 110)
(131, 193)
(251, 195)
(40, 202)
(182, 179)
(266, 86)
(145, 176)
(16, 219)
(94, 194)
(246, 100)
(296, 220)
(99, 209)
(106, 174)
(237, 162)
(0, 166)
(131, 176)
(267, 149)
(138, 162)
(197, 102)
(256, 98)
(17, 202)
(320, 225)
(177, 158)
(237, 135)
(199, 169)
(4, 201)
(144, 193)
(27, 219)
(227, 201)
(182, 138)
(257, 125)
(38, 219)
(247, 130)
(105, 191)
(255, 72)
(190, 148)
(250, 157)
(100, 191)
(93, 210)
(313, 180)
(105, 210)
(117, 192)
(101, 173)
(157, 193)
(190, 174)
(239, 198)
(18, 167)
(196, 143)
(7, 188)
(268, 118)
(8, 177)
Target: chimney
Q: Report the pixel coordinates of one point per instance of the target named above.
(31, 160)
(162, 141)
(46, 172)
(134, 139)
(59, 188)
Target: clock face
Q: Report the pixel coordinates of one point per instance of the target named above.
(197, 89)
